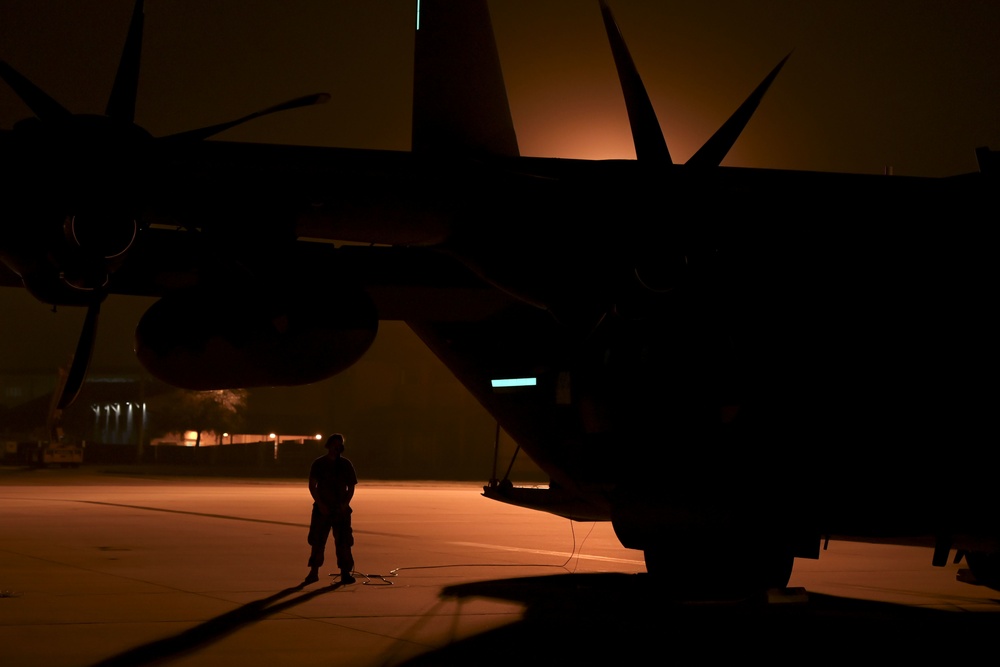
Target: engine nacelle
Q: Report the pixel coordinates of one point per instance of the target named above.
(75, 197)
(220, 339)
(64, 269)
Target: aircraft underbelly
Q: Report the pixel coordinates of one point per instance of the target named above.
(778, 392)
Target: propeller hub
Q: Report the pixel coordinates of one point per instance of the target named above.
(101, 234)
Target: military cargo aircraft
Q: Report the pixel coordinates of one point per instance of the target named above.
(731, 365)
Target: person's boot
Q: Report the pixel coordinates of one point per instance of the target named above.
(312, 577)
(346, 578)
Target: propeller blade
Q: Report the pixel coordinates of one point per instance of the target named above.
(121, 103)
(650, 146)
(205, 132)
(43, 106)
(716, 148)
(988, 161)
(81, 358)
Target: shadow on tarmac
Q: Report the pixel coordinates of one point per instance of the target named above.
(627, 619)
(212, 630)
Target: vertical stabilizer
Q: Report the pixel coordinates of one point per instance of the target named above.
(459, 98)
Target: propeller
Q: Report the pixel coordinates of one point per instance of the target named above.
(81, 357)
(646, 134)
(43, 106)
(650, 146)
(205, 132)
(71, 263)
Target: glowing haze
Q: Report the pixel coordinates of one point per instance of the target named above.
(870, 84)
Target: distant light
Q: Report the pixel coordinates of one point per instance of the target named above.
(317, 437)
(272, 435)
(514, 382)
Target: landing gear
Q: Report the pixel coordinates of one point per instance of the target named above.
(985, 567)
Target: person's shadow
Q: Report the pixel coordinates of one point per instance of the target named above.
(213, 629)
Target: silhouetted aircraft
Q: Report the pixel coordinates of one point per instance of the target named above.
(729, 364)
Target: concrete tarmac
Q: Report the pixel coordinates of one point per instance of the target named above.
(101, 569)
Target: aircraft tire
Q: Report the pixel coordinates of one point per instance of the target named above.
(985, 567)
(720, 574)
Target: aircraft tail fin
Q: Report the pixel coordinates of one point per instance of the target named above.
(459, 99)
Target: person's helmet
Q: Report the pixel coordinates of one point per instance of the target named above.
(336, 443)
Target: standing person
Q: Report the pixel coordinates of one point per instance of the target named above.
(331, 483)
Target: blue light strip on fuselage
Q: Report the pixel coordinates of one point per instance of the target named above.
(514, 382)
(418, 14)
